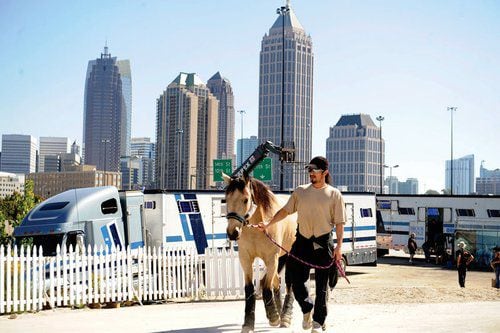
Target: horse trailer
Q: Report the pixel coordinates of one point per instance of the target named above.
(439, 222)
(111, 218)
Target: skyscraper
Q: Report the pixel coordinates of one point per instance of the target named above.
(51, 146)
(463, 175)
(186, 134)
(145, 149)
(19, 153)
(410, 186)
(244, 148)
(293, 109)
(221, 88)
(106, 123)
(126, 130)
(353, 149)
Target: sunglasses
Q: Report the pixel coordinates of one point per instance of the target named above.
(314, 170)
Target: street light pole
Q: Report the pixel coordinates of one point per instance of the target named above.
(105, 141)
(451, 109)
(241, 112)
(380, 119)
(390, 175)
(282, 12)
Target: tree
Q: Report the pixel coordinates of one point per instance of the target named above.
(431, 192)
(15, 207)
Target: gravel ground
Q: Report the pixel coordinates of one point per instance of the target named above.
(395, 281)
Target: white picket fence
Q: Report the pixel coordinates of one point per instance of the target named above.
(29, 281)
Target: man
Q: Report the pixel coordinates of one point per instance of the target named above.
(412, 246)
(464, 258)
(320, 208)
(495, 264)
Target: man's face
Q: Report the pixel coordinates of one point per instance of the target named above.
(316, 175)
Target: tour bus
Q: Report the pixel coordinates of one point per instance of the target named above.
(439, 223)
(159, 218)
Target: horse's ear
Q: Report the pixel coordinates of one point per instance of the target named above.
(226, 178)
(246, 177)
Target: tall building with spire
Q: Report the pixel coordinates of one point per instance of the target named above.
(286, 111)
(221, 88)
(107, 112)
(186, 134)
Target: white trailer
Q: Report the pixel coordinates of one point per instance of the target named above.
(199, 218)
(439, 220)
(185, 217)
(159, 218)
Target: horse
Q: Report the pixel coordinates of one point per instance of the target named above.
(249, 202)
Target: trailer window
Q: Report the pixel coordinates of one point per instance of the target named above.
(366, 212)
(150, 204)
(406, 211)
(493, 212)
(188, 206)
(109, 206)
(432, 211)
(465, 212)
(54, 205)
(384, 204)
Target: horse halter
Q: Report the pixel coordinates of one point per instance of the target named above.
(243, 219)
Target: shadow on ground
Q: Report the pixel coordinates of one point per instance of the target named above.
(229, 328)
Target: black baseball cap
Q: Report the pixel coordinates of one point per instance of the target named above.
(319, 162)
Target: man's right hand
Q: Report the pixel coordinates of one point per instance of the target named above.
(262, 226)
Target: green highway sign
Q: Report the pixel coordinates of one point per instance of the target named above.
(221, 166)
(263, 171)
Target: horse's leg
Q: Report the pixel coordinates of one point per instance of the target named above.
(271, 282)
(287, 310)
(249, 322)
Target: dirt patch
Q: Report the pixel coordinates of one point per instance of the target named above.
(395, 281)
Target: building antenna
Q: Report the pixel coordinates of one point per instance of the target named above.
(106, 46)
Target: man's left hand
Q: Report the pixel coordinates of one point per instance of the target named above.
(337, 253)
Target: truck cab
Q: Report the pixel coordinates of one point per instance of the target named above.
(84, 216)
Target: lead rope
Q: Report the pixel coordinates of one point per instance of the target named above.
(337, 262)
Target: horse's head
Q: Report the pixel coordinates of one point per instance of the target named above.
(239, 204)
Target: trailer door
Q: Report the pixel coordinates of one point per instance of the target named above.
(448, 225)
(418, 226)
(350, 225)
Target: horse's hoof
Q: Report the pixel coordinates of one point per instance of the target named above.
(275, 322)
(246, 329)
(286, 321)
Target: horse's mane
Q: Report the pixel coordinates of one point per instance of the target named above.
(262, 195)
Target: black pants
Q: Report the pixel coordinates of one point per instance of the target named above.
(462, 271)
(315, 254)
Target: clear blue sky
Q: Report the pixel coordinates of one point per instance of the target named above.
(405, 60)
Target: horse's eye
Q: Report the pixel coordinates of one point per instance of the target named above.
(245, 201)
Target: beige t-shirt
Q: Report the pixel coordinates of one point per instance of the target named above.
(318, 210)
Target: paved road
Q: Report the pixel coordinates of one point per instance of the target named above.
(227, 316)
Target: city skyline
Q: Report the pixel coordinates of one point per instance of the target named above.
(407, 61)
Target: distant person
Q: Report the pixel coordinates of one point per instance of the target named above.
(495, 264)
(412, 246)
(464, 258)
(426, 247)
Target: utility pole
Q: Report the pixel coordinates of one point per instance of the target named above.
(451, 109)
(380, 119)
